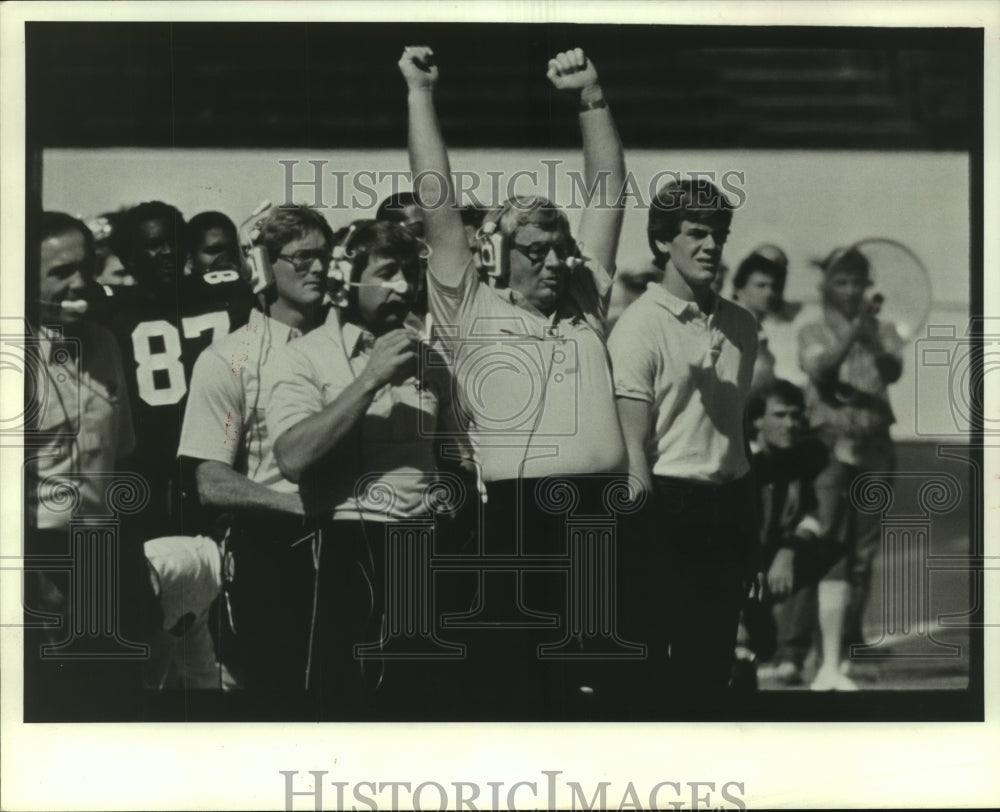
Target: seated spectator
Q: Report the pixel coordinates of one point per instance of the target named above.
(800, 498)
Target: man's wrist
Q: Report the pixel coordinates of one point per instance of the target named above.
(421, 92)
(592, 97)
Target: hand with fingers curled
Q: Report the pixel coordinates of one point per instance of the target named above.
(393, 358)
(418, 67)
(572, 70)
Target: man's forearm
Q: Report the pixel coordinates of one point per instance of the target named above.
(222, 487)
(303, 445)
(634, 418)
(434, 187)
(604, 171)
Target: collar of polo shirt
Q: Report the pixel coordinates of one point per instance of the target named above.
(357, 339)
(679, 307)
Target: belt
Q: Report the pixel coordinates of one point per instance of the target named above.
(689, 493)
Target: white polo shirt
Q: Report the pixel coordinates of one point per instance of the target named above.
(694, 369)
(224, 419)
(384, 469)
(536, 391)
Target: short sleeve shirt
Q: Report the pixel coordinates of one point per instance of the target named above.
(863, 408)
(383, 469)
(535, 391)
(225, 416)
(694, 370)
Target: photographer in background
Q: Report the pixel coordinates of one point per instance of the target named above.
(851, 358)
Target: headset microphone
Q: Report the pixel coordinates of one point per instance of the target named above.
(78, 306)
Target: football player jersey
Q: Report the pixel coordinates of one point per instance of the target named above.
(160, 338)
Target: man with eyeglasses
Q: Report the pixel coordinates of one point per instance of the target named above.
(354, 426)
(226, 447)
(526, 333)
(683, 361)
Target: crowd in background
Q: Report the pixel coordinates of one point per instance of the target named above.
(272, 381)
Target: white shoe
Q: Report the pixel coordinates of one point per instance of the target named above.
(785, 672)
(830, 679)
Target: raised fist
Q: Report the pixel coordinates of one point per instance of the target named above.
(571, 70)
(417, 66)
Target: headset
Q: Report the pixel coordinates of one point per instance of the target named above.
(342, 267)
(261, 272)
(78, 306)
(492, 255)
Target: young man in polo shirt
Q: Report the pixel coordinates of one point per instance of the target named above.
(527, 337)
(225, 438)
(683, 361)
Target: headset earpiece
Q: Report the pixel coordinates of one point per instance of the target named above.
(491, 259)
(259, 263)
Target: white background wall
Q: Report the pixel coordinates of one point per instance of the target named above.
(807, 202)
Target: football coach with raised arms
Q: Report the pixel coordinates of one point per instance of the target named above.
(523, 316)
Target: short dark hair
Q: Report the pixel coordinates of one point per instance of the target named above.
(697, 201)
(755, 263)
(126, 231)
(778, 389)
(287, 223)
(56, 223)
(473, 215)
(206, 221)
(390, 210)
(363, 239)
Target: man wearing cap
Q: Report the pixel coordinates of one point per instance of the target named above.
(851, 358)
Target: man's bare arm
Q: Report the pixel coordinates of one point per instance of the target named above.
(603, 156)
(306, 443)
(432, 171)
(220, 486)
(634, 416)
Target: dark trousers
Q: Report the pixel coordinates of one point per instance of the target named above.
(303, 596)
(782, 630)
(526, 608)
(270, 594)
(686, 564)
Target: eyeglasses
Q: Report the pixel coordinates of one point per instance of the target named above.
(538, 251)
(305, 261)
